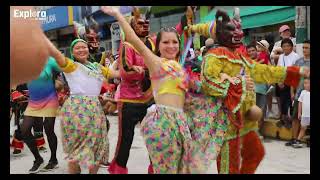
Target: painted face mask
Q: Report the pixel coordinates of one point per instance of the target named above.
(91, 35)
(140, 22)
(229, 31)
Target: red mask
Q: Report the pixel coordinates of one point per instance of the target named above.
(140, 22)
(141, 27)
(93, 40)
(229, 31)
(91, 35)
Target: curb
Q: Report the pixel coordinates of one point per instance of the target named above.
(270, 129)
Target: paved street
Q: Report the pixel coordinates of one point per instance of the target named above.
(279, 159)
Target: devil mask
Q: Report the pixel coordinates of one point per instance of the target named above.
(140, 22)
(91, 35)
(228, 31)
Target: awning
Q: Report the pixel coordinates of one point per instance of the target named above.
(258, 16)
(161, 9)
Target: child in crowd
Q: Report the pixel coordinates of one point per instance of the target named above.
(263, 55)
(303, 112)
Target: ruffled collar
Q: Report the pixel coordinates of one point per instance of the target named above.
(223, 52)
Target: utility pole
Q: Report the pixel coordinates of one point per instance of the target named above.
(301, 27)
(301, 23)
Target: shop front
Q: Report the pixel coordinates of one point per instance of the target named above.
(58, 25)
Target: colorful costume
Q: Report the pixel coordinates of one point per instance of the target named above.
(83, 122)
(43, 101)
(97, 55)
(175, 142)
(242, 150)
(134, 94)
(40, 113)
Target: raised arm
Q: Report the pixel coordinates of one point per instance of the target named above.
(149, 58)
(56, 54)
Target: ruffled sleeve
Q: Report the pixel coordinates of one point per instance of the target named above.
(210, 77)
(69, 67)
(262, 73)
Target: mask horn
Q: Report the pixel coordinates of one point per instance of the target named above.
(148, 13)
(95, 25)
(136, 12)
(86, 25)
(223, 14)
(236, 14)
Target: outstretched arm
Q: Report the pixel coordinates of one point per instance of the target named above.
(56, 54)
(149, 58)
(262, 73)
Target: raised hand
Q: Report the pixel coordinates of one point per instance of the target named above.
(110, 10)
(224, 76)
(138, 69)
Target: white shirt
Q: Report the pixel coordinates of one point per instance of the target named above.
(278, 44)
(84, 82)
(288, 60)
(305, 99)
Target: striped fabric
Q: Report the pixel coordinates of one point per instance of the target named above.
(43, 101)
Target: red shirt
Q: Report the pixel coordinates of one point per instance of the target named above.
(265, 57)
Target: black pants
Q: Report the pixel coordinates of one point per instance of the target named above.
(37, 129)
(18, 110)
(129, 115)
(285, 99)
(30, 139)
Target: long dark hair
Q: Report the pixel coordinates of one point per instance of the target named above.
(159, 36)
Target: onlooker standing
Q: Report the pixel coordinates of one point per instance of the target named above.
(260, 89)
(304, 61)
(287, 59)
(264, 58)
(263, 52)
(277, 50)
(304, 112)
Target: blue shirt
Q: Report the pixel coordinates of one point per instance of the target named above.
(301, 62)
